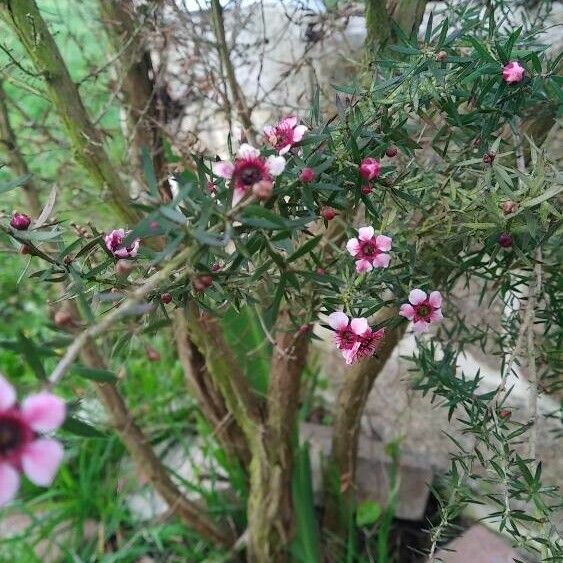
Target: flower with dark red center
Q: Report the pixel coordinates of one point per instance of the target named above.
(353, 337)
(369, 250)
(20, 221)
(422, 309)
(505, 240)
(513, 72)
(370, 168)
(391, 152)
(114, 243)
(249, 169)
(284, 134)
(307, 175)
(328, 213)
(22, 449)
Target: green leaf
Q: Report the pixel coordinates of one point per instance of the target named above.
(305, 249)
(80, 428)
(14, 183)
(31, 355)
(93, 374)
(368, 513)
(148, 169)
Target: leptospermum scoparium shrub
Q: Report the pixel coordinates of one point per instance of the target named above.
(417, 167)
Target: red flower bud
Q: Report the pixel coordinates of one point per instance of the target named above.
(165, 298)
(201, 283)
(505, 413)
(505, 240)
(216, 267)
(328, 213)
(367, 190)
(152, 354)
(20, 221)
(509, 207)
(263, 190)
(489, 157)
(307, 175)
(391, 152)
(26, 249)
(63, 319)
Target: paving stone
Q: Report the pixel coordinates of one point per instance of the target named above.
(478, 545)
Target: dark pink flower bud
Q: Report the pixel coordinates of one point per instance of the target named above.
(505, 413)
(305, 329)
(328, 213)
(307, 175)
(263, 190)
(489, 157)
(20, 221)
(505, 240)
(367, 190)
(509, 207)
(201, 283)
(216, 267)
(165, 298)
(63, 319)
(370, 168)
(391, 152)
(152, 354)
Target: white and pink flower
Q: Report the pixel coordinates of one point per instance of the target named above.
(422, 309)
(370, 168)
(284, 134)
(249, 170)
(354, 337)
(513, 72)
(369, 250)
(22, 449)
(114, 243)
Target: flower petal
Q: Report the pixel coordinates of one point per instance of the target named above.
(359, 326)
(383, 243)
(381, 261)
(275, 165)
(417, 296)
(247, 151)
(44, 412)
(9, 483)
(223, 169)
(7, 394)
(299, 133)
(363, 266)
(420, 326)
(435, 299)
(290, 122)
(366, 233)
(269, 130)
(338, 320)
(353, 246)
(41, 460)
(436, 315)
(407, 311)
(284, 150)
(238, 195)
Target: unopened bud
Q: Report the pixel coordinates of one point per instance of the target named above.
(263, 190)
(441, 56)
(152, 354)
(505, 240)
(20, 221)
(328, 213)
(509, 207)
(307, 175)
(391, 152)
(201, 283)
(63, 319)
(165, 298)
(366, 190)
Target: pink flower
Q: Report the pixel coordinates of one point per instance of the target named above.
(369, 250)
(354, 338)
(22, 450)
(114, 243)
(249, 168)
(370, 168)
(513, 72)
(423, 309)
(284, 134)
